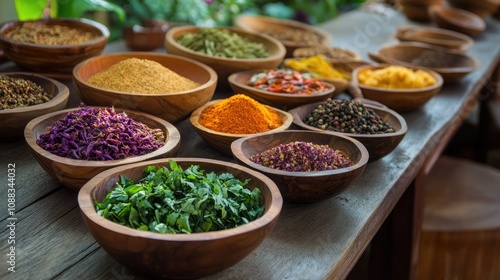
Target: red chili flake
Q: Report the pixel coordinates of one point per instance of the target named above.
(287, 81)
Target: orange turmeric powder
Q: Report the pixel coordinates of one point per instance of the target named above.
(239, 114)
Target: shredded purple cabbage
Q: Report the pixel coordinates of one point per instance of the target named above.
(100, 134)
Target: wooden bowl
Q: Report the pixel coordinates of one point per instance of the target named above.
(451, 65)
(399, 100)
(332, 54)
(222, 141)
(13, 121)
(378, 145)
(415, 11)
(457, 20)
(226, 66)
(75, 173)
(284, 101)
(145, 38)
(435, 36)
(54, 60)
(172, 107)
(303, 187)
(261, 24)
(481, 8)
(179, 256)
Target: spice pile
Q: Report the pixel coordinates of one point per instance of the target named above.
(347, 116)
(318, 66)
(134, 75)
(293, 35)
(100, 134)
(178, 201)
(396, 77)
(239, 114)
(18, 92)
(222, 43)
(334, 53)
(286, 81)
(47, 34)
(302, 157)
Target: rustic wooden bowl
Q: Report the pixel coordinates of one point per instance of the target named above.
(172, 107)
(415, 11)
(304, 187)
(399, 100)
(13, 121)
(222, 141)
(54, 60)
(284, 101)
(378, 145)
(451, 65)
(457, 20)
(481, 8)
(226, 66)
(333, 54)
(435, 36)
(179, 256)
(75, 173)
(145, 38)
(260, 24)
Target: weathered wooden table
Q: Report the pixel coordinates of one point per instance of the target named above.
(312, 241)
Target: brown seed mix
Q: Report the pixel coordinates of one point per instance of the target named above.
(17, 92)
(46, 34)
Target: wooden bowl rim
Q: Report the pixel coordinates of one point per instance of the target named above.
(85, 201)
(211, 73)
(172, 140)
(410, 33)
(356, 56)
(473, 21)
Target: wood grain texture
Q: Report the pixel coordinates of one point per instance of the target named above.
(435, 36)
(457, 20)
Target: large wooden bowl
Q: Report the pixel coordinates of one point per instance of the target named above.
(378, 145)
(226, 66)
(179, 256)
(222, 141)
(303, 187)
(261, 24)
(172, 107)
(435, 36)
(13, 121)
(399, 100)
(457, 20)
(54, 60)
(75, 173)
(285, 101)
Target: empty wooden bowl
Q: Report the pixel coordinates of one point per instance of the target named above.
(74, 173)
(481, 8)
(13, 121)
(378, 145)
(172, 107)
(179, 256)
(222, 141)
(145, 37)
(435, 36)
(54, 60)
(274, 26)
(399, 100)
(457, 20)
(285, 101)
(304, 187)
(226, 66)
(415, 11)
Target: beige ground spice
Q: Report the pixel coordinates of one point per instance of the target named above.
(134, 75)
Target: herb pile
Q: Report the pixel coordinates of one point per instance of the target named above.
(181, 201)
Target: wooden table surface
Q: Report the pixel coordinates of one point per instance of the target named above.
(310, 241)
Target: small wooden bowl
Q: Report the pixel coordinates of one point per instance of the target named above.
(145, 38)
(415, 11)
(481, 8)
(222, 141)
(75, 173)
(260, 24)
(457, 20)
(304, 187)
(179, 256)
(435, 36)
(226, 66)
(13, 121)
(284, 101)
(399, 100)
(54, 60)
(378, 145)
(173, 107)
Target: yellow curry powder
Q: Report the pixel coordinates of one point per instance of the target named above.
(396, 77)
(134, 75)
(239, 114)
(316, 65)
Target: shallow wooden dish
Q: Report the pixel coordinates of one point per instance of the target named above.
(179, 256)
(54, 60)
(172, 107)
(226, 66)
(222, 141)
(13, 121)
(481, 8)
(304, 187)
(457, 20)
(75, 173)
(435, 36)
(378, 145)
(399, 100)
(285, 101)
(260, 24)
